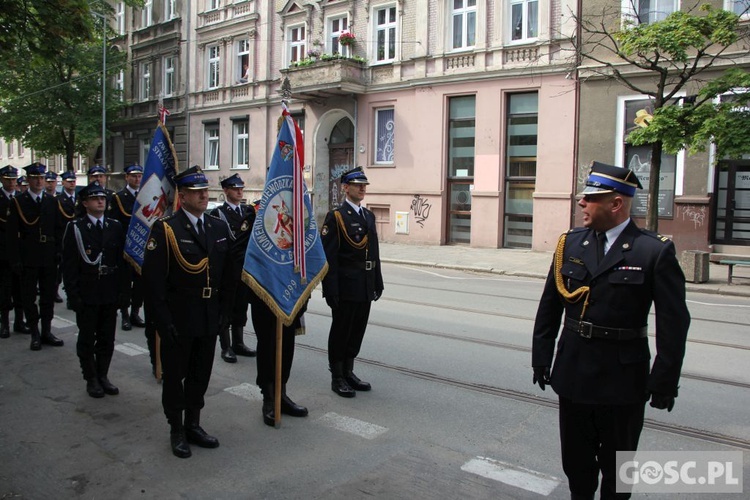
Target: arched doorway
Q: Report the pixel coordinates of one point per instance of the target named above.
(340, 158)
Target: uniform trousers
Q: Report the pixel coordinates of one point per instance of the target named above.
(348, 325)
(136, 290)
(6, 286)
(96, 337)
(186, 371)
(239, 308)
(45, 277)
(590, 436)
(264, 323)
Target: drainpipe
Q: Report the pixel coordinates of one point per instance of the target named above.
(577, 111)
(356, 120)
(187, 84)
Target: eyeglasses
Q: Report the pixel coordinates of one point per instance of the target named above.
(595, 198)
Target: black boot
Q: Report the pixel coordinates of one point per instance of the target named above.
(47, 337)
(180, 446)
(102, 371)
(4, 325)
(338, 383)
(269, 417)
(135, 319)
(227, 354)
(19, 326)
(126, 326)
(238, 343)
(289, 407)
(195, 433)
(36, 339)
(94, 388)
(351, 379)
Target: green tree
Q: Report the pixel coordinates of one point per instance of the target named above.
(54, 104)
(664, 60)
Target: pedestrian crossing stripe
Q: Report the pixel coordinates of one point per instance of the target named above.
(352, 425)
(512, 475)
(131, 349)
(250, 392)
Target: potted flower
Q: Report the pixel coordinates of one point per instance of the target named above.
(347, 38)
(313, 54)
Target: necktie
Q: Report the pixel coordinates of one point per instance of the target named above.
(201, 233)
(39, 199)
(99, 225)
(238, 210)
(601, 241)
(136, 193)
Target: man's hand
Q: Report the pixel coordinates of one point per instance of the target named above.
(541, 376)
(662, 401)
(333, 301)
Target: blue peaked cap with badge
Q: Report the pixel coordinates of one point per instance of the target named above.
(355, 176)
(134, 169)
(234, 181)
(36, 169)
(68, 175)
(93, 190)
(610, 179)
(9, 172)
(192, 178)
(21, 181)
(96, 169)
(50, 176)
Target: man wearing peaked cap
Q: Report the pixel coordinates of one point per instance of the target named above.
(94, 273)
(66, 204)
(22, 183)
(605, 277)
(8, 175)
(233, 212)
(188, 284)
(50, 183)
(122, 209)
(99, 174)
(34, 237)
(354, 280)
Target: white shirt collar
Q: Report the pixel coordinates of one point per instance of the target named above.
(193, 218)
(614, 233)
(132, 191)
(94, 219)
(356, 208)
(9, 194)
(233, 207)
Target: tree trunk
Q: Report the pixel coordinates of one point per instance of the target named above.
(652, 212)
(70, 151)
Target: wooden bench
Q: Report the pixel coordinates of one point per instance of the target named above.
(731, 264)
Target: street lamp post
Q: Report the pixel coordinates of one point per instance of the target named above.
(104, 86)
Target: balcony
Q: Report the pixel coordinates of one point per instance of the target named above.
(321, 78)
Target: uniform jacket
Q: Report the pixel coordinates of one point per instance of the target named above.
(231, 217)
(4, 212)
(241, 238)
(121, 207)
(67, 210)
(347, 252)
(175, 294)
(34, 231)
(640, 269)
(93, 284)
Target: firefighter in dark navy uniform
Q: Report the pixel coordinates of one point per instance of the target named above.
(122, 209)
(188, 283)
(20, 184)
(605, 277)
(8, 176)
(99, 174)
(33, 231)
(66, 205)
(353, 281)
(235, 213)
(94, 274)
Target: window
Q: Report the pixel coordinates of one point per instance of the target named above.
(214, 64)
(241, 144)
(648, 11)
(243, 61)
(120, 17)
(145, 148)
(170, 11)
(461, 140)
(120, 84)
(11, 149)
(212, 146)
(146, 13)
(520, 168)
(524, 20)
(384, 135)
(212, 4)
(145, 81)
(21, 150)
(385, 34)
(335, 27)
(168, 84)
(739, 7)
(464, 25)
(296, 44)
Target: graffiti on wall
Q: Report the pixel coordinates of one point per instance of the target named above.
(421, 209)
(694, 214)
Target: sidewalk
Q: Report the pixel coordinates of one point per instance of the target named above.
(525, 263)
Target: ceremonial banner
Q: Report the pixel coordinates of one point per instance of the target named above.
(284, 260)
(156, 195)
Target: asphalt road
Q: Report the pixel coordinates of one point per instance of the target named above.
(452, 414)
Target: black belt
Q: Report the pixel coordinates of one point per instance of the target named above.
(367, 265)
(588, 330)
(202, 293)
(99, 270)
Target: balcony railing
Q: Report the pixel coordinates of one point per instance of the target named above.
(323, 77)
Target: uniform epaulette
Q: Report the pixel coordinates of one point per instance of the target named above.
(660, 237)
(213, 216)
(577, 229)
(166, 217)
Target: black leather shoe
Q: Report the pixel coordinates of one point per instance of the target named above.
(50, 339)
(289, 407)
(36, 341)
(94, 388)
(180, 446)
(136, 321)
(126, 326)
(4, 331)
(268, 414)
(21, 327)
(58, 299)
(109, 387)
(196, 435)
(340, 387)
(356, 384)
(243, 350)
(228, 355)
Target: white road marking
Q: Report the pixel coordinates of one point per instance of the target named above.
(352, 425)
(131, 349)
(512, 474)
(60, 322)
(465, 278)
(251, 392)
(714, 304)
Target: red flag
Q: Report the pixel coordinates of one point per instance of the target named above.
(298, 204)
(163, 114)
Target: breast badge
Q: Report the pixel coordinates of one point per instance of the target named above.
(151, 244)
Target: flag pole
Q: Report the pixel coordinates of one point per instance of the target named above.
(157, 346)
(277, 384)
